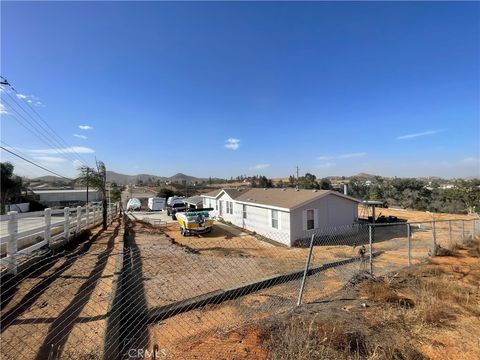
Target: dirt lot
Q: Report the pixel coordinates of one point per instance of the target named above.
(177, 267)
(60, 305)
(430, 311)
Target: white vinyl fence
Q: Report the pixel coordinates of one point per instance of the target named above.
(23, 233)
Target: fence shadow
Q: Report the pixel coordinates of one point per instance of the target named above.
(58, 331)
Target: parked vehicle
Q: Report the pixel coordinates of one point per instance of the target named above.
(156, 204)
(194, 222)
(133, 204)
(175, 208)
(173, 199)
(174, 204)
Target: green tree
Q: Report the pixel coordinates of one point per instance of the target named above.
(96, 178)
(325, 184)
(115, 193)
(165, 193)
(11, 185)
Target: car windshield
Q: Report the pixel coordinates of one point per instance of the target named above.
(179, 205)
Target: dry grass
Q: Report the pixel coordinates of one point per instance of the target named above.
(411, 314)
(314, 339)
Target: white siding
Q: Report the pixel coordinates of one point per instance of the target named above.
(225, 215)
(259, 219)
(330, 211)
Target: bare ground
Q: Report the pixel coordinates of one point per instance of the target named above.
(60, 306)
(430, 311)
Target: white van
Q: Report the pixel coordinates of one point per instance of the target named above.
(156, 204)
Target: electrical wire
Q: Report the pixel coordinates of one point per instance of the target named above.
(35, 164)
(56, 137)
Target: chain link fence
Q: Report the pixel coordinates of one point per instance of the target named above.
(142, 290)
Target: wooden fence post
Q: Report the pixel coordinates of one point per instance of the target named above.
(12, 245)
(79, 219)
(87, 216)
(66, 224)
(48, 224)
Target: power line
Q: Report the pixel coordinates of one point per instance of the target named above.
(33, 163)
(37, 134)
(55, 136)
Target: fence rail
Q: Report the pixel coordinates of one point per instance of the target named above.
(24, 233)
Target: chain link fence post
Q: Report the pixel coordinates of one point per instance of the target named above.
(409, 237)
(12, 245)
(450, 231)
(434, 238)
(305, 271)
(370, 240)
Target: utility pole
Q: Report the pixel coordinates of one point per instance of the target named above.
(297, 177)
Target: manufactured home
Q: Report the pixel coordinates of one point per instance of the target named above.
(284, 215)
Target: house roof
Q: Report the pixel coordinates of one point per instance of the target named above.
(235, 193)
(197, 199)
(286, 198)
(212, 193)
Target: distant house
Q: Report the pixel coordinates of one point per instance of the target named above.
(66, 197)
(284, 215)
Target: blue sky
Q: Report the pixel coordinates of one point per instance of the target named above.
(223, 89)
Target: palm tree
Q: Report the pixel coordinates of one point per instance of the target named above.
(96, 178)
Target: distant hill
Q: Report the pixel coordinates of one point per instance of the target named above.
(365, 176)
(51, 179)
(123, 179)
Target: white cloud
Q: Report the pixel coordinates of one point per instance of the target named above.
(324, 158)
(470, 160)
(85, 127)
(415, 135)
(69, 150)
(259, 166)
(80, 136)
(2, 110)
(31, 99)
(49, 159)
(352, 155)
(232, 144)
(326, 165)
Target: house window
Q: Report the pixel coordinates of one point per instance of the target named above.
(310, 220)
(275, 219)
(231, 207)
(244, 211)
